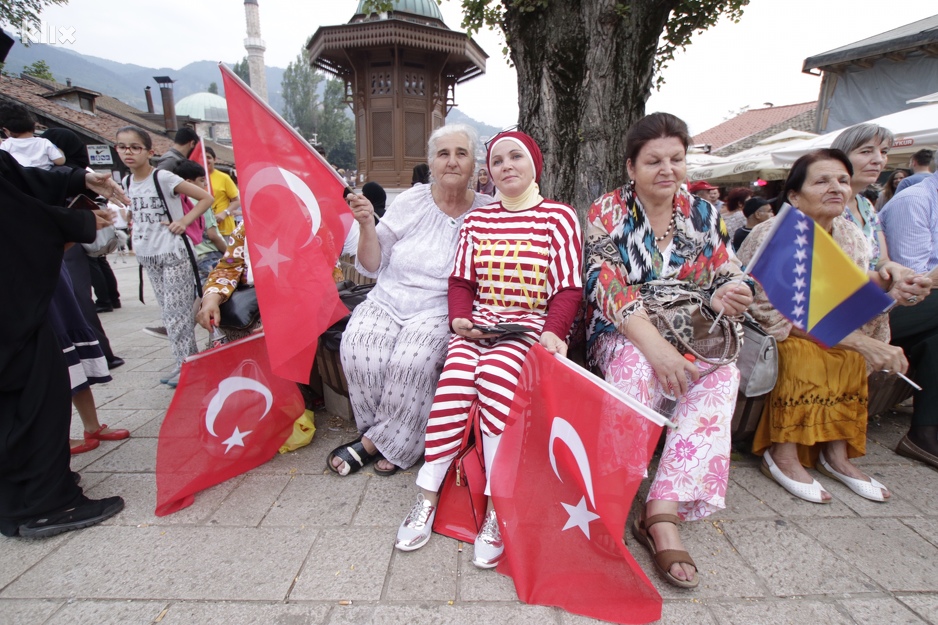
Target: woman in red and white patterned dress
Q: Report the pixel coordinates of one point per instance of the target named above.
(518, 261)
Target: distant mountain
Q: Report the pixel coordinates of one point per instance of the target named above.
(126, 81)
(485, 131)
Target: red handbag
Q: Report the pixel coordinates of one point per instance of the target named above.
(461, 508)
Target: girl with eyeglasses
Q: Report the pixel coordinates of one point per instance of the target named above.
(158, 232)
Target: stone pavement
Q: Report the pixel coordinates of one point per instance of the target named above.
(292, 543)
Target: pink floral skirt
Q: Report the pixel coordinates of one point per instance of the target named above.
(695, 462)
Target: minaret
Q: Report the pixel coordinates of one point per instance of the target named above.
(255, 47)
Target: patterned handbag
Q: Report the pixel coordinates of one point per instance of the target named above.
(683, 316)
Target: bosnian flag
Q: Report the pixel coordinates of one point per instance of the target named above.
(811, 281)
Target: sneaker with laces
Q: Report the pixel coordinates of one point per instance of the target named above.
(159, 332)
(489, 547)
(415, 531)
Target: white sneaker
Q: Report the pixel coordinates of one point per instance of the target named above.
(415, 531)
(489, 547)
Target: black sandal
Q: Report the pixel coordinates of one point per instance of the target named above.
(385, 472)
(353, 455)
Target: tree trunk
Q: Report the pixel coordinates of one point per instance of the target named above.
(584, 74)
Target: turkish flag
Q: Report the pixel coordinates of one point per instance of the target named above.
(569, 463)
(198, 155)
(296, 221)
(229, 415)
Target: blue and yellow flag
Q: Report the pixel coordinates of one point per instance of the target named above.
(810, 280)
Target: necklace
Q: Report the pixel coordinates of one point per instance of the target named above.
(670, 227)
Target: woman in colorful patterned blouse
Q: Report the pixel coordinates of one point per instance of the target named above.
(649, 230)
(518, 261)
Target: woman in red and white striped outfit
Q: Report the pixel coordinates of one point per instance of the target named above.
(518, 261)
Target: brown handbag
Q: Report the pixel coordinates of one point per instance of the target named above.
(682, 314)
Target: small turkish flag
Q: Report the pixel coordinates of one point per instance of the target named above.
(296, 221)
(569, 463)
(229, 415)
(198, 155)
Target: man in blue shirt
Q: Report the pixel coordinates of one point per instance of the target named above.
(920, 164)
(910, 221)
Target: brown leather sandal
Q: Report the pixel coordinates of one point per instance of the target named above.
(666, 558)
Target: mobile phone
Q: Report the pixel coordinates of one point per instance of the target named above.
(488, 329)
(83, 202)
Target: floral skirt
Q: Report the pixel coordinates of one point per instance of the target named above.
(821, 395)
(695, 462)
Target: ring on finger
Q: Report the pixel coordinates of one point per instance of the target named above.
(912, 299)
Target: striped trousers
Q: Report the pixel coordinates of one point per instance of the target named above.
(486, 371)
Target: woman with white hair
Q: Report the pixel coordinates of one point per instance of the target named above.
(393, 348)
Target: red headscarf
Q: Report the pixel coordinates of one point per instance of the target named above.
(528, 145)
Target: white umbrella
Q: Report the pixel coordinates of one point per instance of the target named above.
(748, 165)
(914, 129)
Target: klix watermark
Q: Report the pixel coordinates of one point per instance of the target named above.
(43, 32)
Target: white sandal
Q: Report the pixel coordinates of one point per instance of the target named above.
(871, 490)
(809, 492)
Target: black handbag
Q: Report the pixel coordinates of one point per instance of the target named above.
(351, 295)
(240, 311)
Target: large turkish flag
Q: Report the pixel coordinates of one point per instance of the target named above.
(570, 461)
(296, 222)
(229, 415)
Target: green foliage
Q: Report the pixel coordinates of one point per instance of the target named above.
(213, 88)
(300, 98)
(242, 70)
(39, 69)
(17, 12)
(336, 129)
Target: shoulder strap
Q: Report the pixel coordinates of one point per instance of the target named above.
(185, 239)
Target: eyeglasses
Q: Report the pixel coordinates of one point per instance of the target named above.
(492, 138)
(133, 149)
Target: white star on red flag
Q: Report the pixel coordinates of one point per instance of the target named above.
(580, 516)
(236, 439)
(271, 257)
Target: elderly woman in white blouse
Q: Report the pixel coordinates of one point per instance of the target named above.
(394, 345)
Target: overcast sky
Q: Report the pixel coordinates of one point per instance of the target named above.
(728, 67)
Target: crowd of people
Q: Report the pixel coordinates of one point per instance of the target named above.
(473, 267)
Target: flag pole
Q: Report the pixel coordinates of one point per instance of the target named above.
(636, 405)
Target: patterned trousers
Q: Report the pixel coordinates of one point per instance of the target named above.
(392, 371)
(695, 463)
(174, 285)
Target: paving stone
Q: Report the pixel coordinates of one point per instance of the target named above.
(309, 460)
(924, 605)
(107, 612)
(134, 455)
(786, 612)
(884, 549)
(909, 481)
(90, 479)
(134, 379)
(926, 528)
(156, 399)
(139, 493)
(317, 501)
(242, 613)
(155, 365)
(79, 462)
(777, 498)
(477, 584)
(879, 611)
(151, 427)
(387, 501)
(427, 574)
(878, 453)
(248, 503)
(18, 555)
(26, 611)
(791, 562)
(673, 611)
(740, 503)
(258, 564)
(345, 564)
(458, 614)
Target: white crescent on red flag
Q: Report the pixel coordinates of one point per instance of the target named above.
(296, 221)
(568, 466)
(229, 414)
